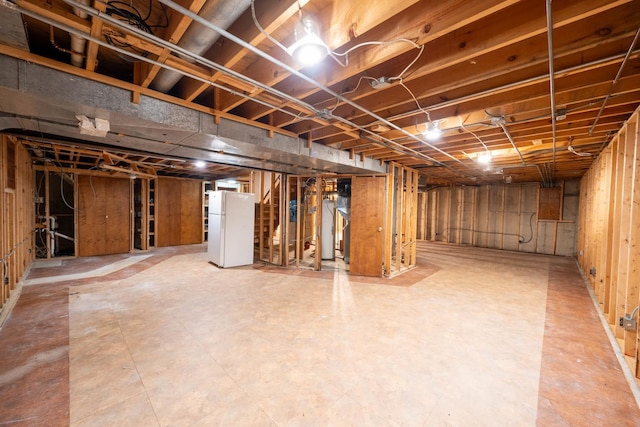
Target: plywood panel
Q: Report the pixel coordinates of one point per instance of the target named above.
(104, 215)
(191, 212)
(367, 221)
(168, 210)
(550, 200)
(178, 212)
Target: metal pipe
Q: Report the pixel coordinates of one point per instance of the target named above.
(509, 86)
(615, 81)
(52, 40)
(513, 143)
(552, 90)
(190, 55)
(387, 143)
(198, 39)
(145, 59)
(300, 75)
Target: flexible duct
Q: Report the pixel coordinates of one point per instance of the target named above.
(198, 38)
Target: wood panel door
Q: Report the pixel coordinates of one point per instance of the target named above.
(104, 215)
(178, 212)
(367, 224)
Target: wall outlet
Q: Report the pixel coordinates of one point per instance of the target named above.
(628, 323)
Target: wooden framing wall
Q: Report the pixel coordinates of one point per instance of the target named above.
(500, 217)
(16, 219)
(402, 220)
(271, 216)
(609, 233)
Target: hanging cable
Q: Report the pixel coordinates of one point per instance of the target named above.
(473, 133)
(262, 30)
(335, 55)
(573, 150)
(130, 16)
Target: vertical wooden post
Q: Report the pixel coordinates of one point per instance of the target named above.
(399, 177)
(272, 186)
(47, 208)
(283, 210)
(261, 216)
(387, 236)
(299, 223)
(318, 234)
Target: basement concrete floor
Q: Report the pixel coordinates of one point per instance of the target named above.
(471, 337)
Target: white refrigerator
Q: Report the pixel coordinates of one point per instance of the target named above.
(231, 228)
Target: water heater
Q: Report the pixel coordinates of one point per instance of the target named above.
(328, 229)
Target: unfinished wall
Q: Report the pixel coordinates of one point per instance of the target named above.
(16, 218)
(500, 217)
(609, 233)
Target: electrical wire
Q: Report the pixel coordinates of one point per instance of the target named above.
(131, 17)
(473, 133)
(62, 192)
(262, 30)
(399, 76)
(335, 55)
(350, 91)
(521, 239)
(571, 149)
(415, 100)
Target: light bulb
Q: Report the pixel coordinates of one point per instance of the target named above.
(309, 49)
(484, 158)
(433, 132)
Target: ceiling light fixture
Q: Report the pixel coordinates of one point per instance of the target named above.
(199, 164)
(433, 132)
(484, 158)
(309, 49)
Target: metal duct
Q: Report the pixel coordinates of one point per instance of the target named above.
(13, 33)
(198, 38)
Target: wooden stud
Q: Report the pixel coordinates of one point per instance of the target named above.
(299, 223)
(270, 215)
(318, 223)
(633, 243)
(261, 218)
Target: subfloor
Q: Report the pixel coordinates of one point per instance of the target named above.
(471, 337)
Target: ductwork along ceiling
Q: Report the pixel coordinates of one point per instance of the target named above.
(511, 91)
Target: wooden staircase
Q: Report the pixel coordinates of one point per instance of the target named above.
(267, 220)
